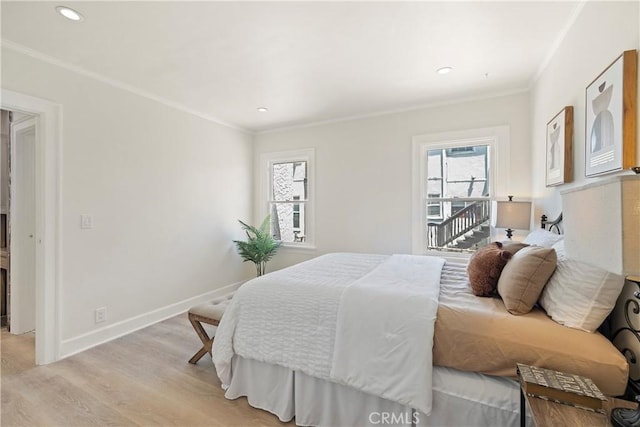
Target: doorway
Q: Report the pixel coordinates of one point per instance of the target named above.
(19, 136)
(46, 237)
(5, 130)
(22, 225)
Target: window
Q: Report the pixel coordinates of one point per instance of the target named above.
(458, 183)
(454, 180)
(288, 196)
(457, 202)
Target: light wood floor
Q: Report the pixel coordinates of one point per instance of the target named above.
(141, 379)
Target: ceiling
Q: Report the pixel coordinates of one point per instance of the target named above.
(306, 62)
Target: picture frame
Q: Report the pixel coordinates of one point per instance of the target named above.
(560, 148)
(610, 117)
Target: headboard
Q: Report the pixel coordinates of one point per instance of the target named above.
(555, 224)
(602, 227)
(624, 331)
(622, 327)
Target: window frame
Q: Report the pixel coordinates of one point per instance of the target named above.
(267, 160)
(497, 138)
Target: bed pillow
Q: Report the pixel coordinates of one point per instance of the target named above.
(485, 266)
(560, 250)
(580, 295)
(542, 237)
(524, 277)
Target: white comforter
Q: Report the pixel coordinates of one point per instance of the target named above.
(383, 307)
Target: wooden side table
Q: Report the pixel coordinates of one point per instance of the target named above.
(548, 413)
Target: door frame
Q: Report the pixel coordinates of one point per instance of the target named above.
(48, 164)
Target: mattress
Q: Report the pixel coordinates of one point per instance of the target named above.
(480, 335)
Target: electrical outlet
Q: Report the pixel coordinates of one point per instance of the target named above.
(101, 314)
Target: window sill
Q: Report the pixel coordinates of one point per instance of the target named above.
(303, 247)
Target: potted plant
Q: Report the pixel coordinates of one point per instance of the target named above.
(260, 246)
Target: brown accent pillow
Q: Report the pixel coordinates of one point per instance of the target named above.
(524, 277)
(485, 266)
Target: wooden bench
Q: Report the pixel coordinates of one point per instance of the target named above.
(211, 314)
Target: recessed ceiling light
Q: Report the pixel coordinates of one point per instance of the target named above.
(444, 70)
(262, 109)
(69, 13)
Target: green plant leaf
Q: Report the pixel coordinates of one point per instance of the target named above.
(260, 246)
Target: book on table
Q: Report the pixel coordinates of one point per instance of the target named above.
(561, 387)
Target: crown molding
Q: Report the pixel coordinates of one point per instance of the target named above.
(436, 104)
(558, 41)
(6, 43)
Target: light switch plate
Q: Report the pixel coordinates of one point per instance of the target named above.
(86, 221)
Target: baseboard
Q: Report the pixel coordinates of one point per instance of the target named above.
(91, 339)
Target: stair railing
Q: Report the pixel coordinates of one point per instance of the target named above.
(457, 225)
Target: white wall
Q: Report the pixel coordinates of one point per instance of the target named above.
(363, 171)
(601, 32)
(165, 189)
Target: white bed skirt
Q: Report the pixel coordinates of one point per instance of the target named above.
(459, 399)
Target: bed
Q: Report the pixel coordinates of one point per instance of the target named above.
(298, 343)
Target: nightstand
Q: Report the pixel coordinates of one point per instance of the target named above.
(548, 413)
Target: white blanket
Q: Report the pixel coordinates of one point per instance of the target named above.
(289, 317)
(384, 337)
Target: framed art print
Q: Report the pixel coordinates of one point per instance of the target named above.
(560, 148)
(610, 117)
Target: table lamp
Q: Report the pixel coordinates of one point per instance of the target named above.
(513, 216)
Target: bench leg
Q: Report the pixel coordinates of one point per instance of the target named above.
(198, 355)
(207, 342)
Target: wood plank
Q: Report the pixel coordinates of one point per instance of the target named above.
(629, 108)
(568, 145)
(18, 410)
(141, 379)
(18, 353)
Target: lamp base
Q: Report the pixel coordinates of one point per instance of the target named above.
(509, 233)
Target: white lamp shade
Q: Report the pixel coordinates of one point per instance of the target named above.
(515, 215)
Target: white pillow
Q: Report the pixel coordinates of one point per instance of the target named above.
(560, 250)
(580, 295)
(542, 237)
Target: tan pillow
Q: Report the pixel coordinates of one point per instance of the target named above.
(513, 247)
(485, 266)
(523, 278)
